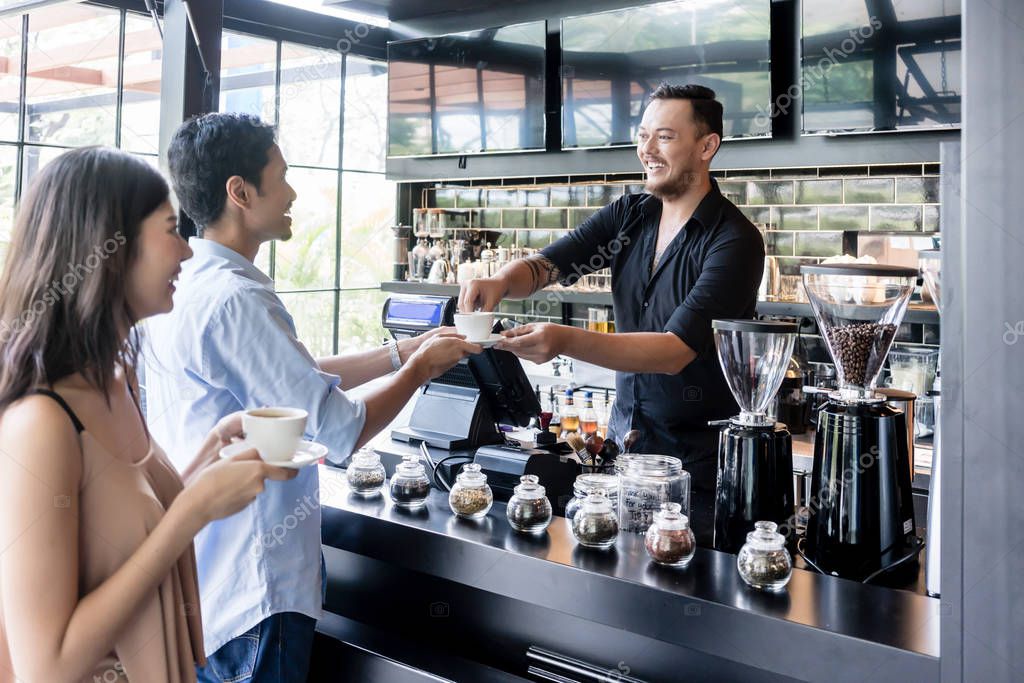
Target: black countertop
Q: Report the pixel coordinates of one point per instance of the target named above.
(820, 628)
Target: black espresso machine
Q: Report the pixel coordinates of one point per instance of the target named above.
(461, 413)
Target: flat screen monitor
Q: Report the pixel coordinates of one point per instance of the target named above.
(880, 66)
(612, 61)
(467, 93)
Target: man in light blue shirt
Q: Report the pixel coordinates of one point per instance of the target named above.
(228, 345)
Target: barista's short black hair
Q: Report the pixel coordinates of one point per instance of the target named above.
(207, 150)
(707, 111)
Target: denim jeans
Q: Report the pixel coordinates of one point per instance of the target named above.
(276, 650)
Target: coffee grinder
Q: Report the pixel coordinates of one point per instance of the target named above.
(755, 453)
(861, 521)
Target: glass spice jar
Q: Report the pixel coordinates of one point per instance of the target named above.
(586, 484)
(409, 485)
(595, 524)
(365, 474)
(669, 539)
(529, 509)
(645, 482)
(763, 562)
(471, 497)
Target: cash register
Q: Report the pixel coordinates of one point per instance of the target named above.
(464, 409)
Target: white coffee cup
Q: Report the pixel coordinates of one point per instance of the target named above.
(275, 432)
(475, 326)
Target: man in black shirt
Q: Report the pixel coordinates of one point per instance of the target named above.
(680, 255)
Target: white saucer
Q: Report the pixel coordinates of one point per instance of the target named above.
(308, 453)
(489, 342)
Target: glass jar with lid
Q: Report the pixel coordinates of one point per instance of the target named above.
(471, 497)
(669, 539)
(365, 474)
(645, 482)
(595, 524)
(586, 484)
(409, 485)
(763, 562)
(529, 509)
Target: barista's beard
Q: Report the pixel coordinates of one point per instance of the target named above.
(673, 190)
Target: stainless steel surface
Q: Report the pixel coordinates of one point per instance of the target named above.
(841, 626)
(933, 539)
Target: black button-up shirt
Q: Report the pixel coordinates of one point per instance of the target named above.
(711, 269)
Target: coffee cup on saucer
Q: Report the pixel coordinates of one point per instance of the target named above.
(475, 326)
(275, 432)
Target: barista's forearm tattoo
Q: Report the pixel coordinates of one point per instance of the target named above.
(542, 270)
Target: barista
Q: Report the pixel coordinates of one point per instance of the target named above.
(680, 255)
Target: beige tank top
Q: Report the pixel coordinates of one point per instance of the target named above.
(120, 504)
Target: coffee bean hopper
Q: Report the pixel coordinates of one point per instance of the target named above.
(861, 522)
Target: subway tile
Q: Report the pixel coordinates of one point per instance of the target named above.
(843, 218)
(733, 190)
(917, 190)
(758, 215)
(819, 243)
(513, 307)
(577, 216)
(550, 218)
(931, 218)
(516, 218)
(505, 238)
(778, 243)
(931, 334)
(908, 332)
(869, 190)
(468, 198)
(842, 171)
(770, 192)
(568, 195)
(896, 169)
(489, 219)
(537, 239)
(902, 218)
(797, 217)
(444, 198)
(536, 196)
(819, 191)
(602, 195)
(746, 174)
(505, 198)
(791, 266)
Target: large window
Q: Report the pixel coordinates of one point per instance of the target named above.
(91, 77)
(330, 110)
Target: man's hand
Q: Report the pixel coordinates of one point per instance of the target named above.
(537, 342)
(407, 347)
(482, 294)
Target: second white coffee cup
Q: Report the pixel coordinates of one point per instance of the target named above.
(275, 432)
(475, 326)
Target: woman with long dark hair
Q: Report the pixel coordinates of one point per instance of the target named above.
(97, 574)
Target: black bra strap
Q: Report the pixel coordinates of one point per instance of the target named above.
(79, 427)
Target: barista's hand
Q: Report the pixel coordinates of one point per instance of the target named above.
(482, 294)
(537, 342)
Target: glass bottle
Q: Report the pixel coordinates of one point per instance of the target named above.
(529, 509)
(471, 497)
(570, 418)
(603, 415)
(669, 540)
(555, 426)
(409, 485)
(595, 525)
(763, 562)
(586, 484)
(365, 474)
(588, 418)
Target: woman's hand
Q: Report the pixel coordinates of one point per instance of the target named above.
(225, 487)
(223, 433)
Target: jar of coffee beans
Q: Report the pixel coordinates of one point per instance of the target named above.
(410, 486)
(365, 474)
(595, 524)
(529, 509)
(471, 497)
(763, 562)
(669, 540)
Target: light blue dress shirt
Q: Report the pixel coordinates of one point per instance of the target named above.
(229, 344)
